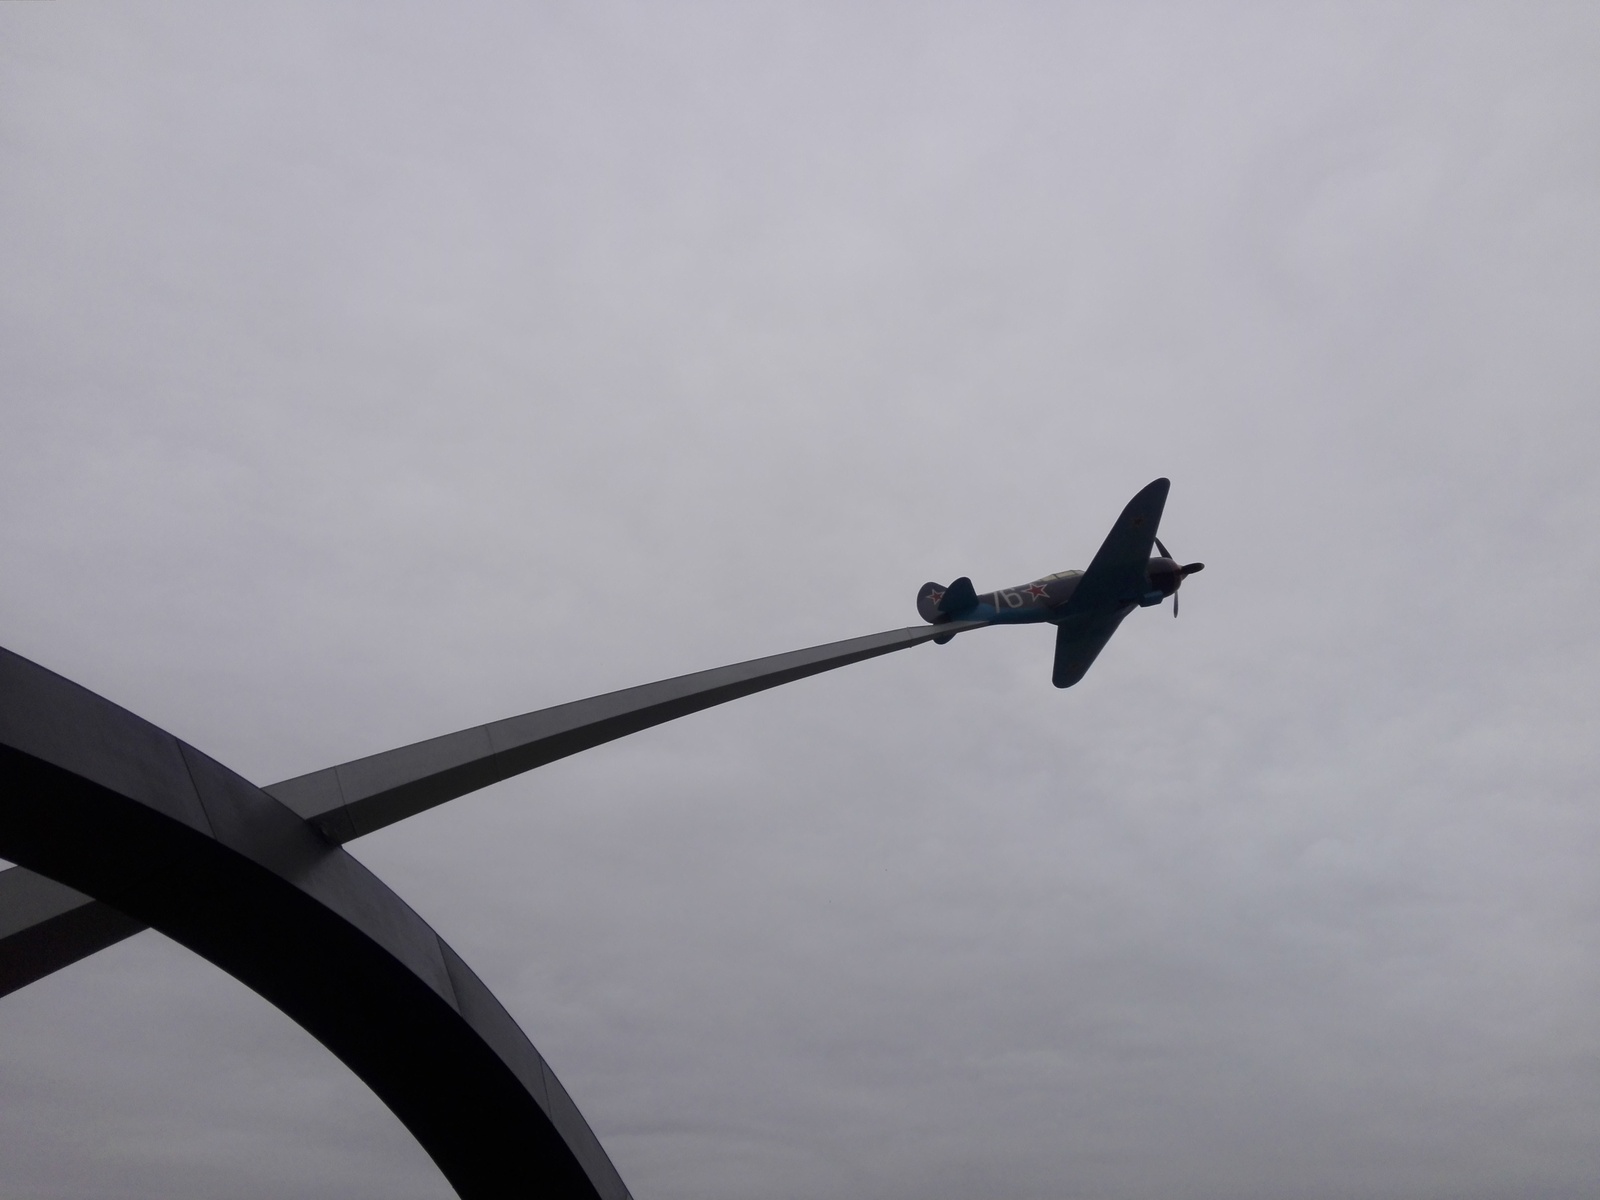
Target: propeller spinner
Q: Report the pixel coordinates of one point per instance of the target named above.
(1182, 573)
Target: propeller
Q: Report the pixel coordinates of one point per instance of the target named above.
(1183, 572)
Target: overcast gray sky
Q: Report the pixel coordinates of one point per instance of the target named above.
(370, 371)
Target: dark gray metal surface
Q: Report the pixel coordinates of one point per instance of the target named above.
(45, 925)
(107, 804)
(359, 797)
(156, 834)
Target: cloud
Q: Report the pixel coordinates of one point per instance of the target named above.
(373, 373)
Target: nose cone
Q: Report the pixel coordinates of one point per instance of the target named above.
(1165, 575)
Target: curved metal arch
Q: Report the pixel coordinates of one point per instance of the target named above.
(45, 925)
(110, 805)
(125, 826)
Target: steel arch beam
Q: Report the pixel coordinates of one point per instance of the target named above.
(369, 793)
(111, 806)
(154, 833)
(45, 926)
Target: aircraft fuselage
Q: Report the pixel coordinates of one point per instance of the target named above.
(1043, 599)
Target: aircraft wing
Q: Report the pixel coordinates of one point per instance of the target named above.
(1079, 641)
(1117, 576)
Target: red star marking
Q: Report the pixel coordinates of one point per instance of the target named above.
(1037, 591)
(935, 596)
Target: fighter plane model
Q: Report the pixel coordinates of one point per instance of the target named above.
(1085, 606)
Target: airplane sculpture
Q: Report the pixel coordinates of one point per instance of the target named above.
(1085, 606)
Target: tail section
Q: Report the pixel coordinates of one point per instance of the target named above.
(936, 604)
(959, 599)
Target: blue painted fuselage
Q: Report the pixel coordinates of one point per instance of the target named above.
(1041, 600)
(1027, 602)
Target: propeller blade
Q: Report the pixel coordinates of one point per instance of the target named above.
(1174, 606)
(1162, 548)
(1192, 568)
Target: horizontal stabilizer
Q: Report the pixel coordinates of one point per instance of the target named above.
(958, 599)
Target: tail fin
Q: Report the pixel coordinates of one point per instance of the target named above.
(936, 604)
(959, 599)
(928, 604)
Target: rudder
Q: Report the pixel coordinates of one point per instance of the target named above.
(959, 599)
(928, 604)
